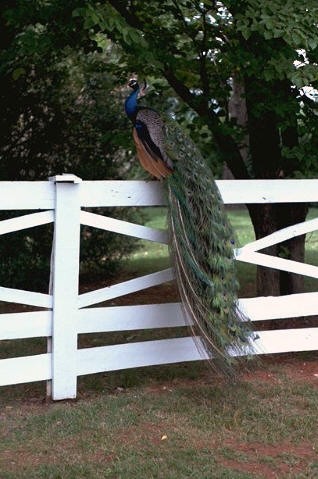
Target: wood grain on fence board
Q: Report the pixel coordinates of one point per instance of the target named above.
(127, 287)
(168, 351)
(277, 263)
(27, 195)
(25, 369)
(123, 227)
(26, 221)
(21, 296)
(65, 272)
(151, 193)
(34, 324)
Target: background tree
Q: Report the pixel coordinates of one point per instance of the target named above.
(61, 111)
(241, 66)
(233, 71)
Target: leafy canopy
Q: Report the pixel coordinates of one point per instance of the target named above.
(202, 47)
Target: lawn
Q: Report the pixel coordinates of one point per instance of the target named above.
(167, 427)
(168, 422)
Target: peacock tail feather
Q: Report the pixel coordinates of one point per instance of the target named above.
(201, 247)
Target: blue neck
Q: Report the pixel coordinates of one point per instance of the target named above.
(131, 106)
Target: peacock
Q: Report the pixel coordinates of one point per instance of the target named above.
(201, 239)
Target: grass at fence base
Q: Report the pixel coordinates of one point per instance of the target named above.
(170, 428)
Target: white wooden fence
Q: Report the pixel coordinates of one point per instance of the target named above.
(68, 314)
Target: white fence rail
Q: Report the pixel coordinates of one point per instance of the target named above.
(67, 313)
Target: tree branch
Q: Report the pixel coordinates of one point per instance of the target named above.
(128, 15)
(200, 104)
(202, 56)
(227, 146)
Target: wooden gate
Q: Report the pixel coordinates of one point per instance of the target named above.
(68, 314)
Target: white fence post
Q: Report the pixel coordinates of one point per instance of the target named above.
(65, 286)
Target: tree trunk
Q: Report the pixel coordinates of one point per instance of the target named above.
(294, 248)
(290, 282)
(264, 223)
(238, 112)
(267, 219)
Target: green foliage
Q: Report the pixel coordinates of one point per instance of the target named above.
(62, 112)
(245, 68)
(54, 54)
(25, 258)
(292, 21)
(199, 47)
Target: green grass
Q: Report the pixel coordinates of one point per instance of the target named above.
(150, 256)
(202, 428)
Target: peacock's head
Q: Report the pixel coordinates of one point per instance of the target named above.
(134, 85)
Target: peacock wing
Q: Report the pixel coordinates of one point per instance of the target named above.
(150, 128)
(153, 165)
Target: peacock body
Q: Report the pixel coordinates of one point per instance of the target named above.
(201, 237)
